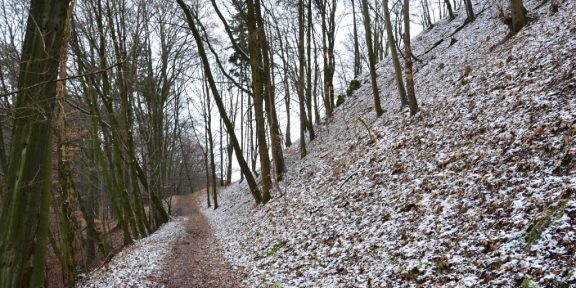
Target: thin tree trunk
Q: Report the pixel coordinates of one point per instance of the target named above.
(357, 65)
(258, 84)
(394, 55)
(449, 8)
(288, 139)
(469, 11)
(206, 155)
(256, 194)
(408, 52)
(212, 168)
(310, 28)
(301, 60)
(371, 59)
(269, 99)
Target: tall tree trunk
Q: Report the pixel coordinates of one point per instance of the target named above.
(518, 15)
(286, 83)
(408, 58)
(357, 63)
(269, 98)
(469, 11)
(24, 218)
(328, 41)
(65, 180)
(371, 58)
(258, 86)
(254, 190)
(213, 179)
(310, 28)
(301, 61)
(425, 13)
(394, 55)
(221, 145)
(316, 84)
(449, 8)
(206, 156)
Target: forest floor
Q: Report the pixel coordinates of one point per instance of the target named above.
(196, 259)
(477, 190)
(182, 253)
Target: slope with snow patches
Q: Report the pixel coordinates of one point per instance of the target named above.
(140, 264)
(477, 189)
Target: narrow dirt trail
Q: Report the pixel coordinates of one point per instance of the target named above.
(197, 260)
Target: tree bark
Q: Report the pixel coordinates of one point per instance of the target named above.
(65, 180)
(357, 65)
(309, 30)
(394, 55)
(449, 8)
(254, 190)
(258, 83)
(301, 71)
(269, 97)
(371, 59)
(24, 218)
(518, 15)
(411, 94)
(469, 11)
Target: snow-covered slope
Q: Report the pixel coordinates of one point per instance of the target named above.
(477, 189)
(140, 264)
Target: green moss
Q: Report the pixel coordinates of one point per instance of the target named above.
(442, 265)
(274, 249)
(528, 283)
(540, 224)
(353, 86)
(467, 71)
(340, 100)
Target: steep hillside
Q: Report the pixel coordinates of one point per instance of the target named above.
(477, 189)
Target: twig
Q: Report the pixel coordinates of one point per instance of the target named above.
(367, 128)
(62, 79)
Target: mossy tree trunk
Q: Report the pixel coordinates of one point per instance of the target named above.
(371, 58)
(258, 83)
(65, 179)
(269, 97)
(24, 218)
(327, 10)
(411, 94)
(394, 55)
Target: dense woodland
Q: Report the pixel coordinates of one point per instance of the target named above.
(108, 108)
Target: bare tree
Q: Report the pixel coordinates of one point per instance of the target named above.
(24, 217)
(411, 94)
(256, 193)
(394, 56)
(371, 58)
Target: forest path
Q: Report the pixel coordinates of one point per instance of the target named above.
(197, 260)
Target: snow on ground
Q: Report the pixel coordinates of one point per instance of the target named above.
(478, 189)
(139, 265)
